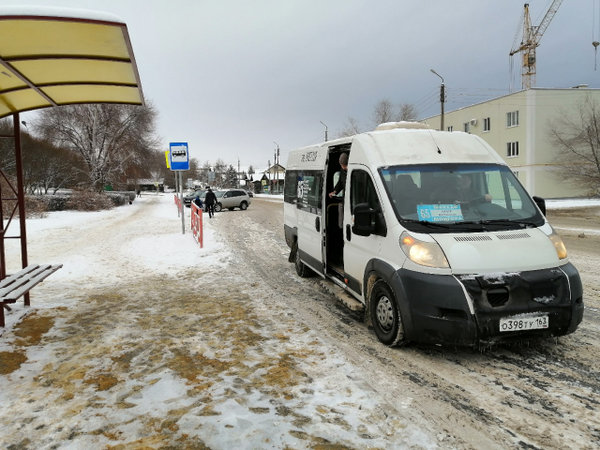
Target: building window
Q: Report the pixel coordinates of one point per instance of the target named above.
(486, 124)
(512, 149)
(512, 119)
(466, 127)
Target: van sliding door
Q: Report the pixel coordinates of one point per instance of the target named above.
(310, 226)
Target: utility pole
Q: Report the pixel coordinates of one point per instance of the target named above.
(325, 129)
(276, 159)
(442, 99)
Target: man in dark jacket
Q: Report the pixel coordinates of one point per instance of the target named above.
(341, 184)
(209, 200)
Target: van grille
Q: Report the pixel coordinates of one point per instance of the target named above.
(472, 238)
(513, 236)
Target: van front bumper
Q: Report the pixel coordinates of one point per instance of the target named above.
(467, 309)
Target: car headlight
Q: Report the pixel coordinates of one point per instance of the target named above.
(423, 253)
(559, 245)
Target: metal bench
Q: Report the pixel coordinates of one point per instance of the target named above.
(20, 283)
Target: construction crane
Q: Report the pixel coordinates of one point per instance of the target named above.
(530, 41)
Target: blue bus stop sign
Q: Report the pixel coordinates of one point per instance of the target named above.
(180, 157)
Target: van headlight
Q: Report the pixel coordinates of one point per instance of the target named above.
(559, 245)
(423, 253)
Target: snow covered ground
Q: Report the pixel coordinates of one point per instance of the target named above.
(143, 339)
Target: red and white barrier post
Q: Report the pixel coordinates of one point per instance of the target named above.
(197, 225)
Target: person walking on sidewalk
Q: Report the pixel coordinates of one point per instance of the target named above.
(209, 200)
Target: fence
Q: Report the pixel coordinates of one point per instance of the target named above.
(178, 203)
(197, 228)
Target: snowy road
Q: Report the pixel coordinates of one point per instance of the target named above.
(165, 344)
(541, 394)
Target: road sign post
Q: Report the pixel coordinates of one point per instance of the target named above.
(179, 160)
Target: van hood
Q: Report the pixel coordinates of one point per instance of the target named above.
(503, 251)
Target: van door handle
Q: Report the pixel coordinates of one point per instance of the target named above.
(318, 223)
(348, 232)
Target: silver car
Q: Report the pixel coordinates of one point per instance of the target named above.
(232, 198)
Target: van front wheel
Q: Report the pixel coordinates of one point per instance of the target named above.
(385, 315)
(301, 269)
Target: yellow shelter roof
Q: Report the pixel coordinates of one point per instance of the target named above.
(52, 56)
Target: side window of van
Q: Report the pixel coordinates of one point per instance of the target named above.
(362, 190)
(291, 186)
(309, 190)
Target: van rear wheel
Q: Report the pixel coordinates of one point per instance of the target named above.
(385, 315)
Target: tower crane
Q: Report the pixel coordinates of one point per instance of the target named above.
(530, 41)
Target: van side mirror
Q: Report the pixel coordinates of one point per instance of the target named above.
(541, 203)
(364, 220)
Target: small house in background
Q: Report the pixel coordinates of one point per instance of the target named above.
(146, 185)
(269, 181)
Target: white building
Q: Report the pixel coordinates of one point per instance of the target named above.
(517, 127)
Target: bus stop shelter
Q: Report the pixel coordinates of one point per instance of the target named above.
(51, 57)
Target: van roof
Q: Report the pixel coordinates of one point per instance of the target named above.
(401, 146)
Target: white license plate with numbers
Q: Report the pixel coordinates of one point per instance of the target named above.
(524, 323)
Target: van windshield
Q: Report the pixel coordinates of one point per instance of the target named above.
(459, 197)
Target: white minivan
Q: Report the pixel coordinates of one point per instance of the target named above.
(433, 234)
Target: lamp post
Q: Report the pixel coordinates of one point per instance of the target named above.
(442, 98)
(276, 159)
(325, 129)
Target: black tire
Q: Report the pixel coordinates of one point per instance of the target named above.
(385, 315)
(218, 207)
(301, 269)
(244, 206)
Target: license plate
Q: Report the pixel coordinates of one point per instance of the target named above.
(517, 323)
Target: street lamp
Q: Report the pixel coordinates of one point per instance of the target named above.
(276, 159)
(325, 129)
(442, 98)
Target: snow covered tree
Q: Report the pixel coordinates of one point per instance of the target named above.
(108, 137)
(231, 177)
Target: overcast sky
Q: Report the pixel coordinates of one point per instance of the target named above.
(234, 78)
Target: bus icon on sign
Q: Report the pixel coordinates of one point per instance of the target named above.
(180, 158)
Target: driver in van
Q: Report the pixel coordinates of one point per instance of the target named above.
(467, 192)
(339, 186)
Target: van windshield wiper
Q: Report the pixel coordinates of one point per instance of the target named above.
(513, 223)
(429, 224)
(486, 224)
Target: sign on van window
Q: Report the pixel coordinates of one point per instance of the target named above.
(440, 213)
(309, 191)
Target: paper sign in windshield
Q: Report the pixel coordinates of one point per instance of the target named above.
(440, 213)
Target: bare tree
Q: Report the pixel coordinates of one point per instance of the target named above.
(220, 167)
(108, 137)
(7, 147)
(578, 138)
(351, 128)
(407, 112)
(384, 112)
(47, 167)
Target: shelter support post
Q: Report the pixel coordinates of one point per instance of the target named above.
(20, 199)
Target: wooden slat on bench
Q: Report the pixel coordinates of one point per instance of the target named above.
(17, 275)
(11, 293)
